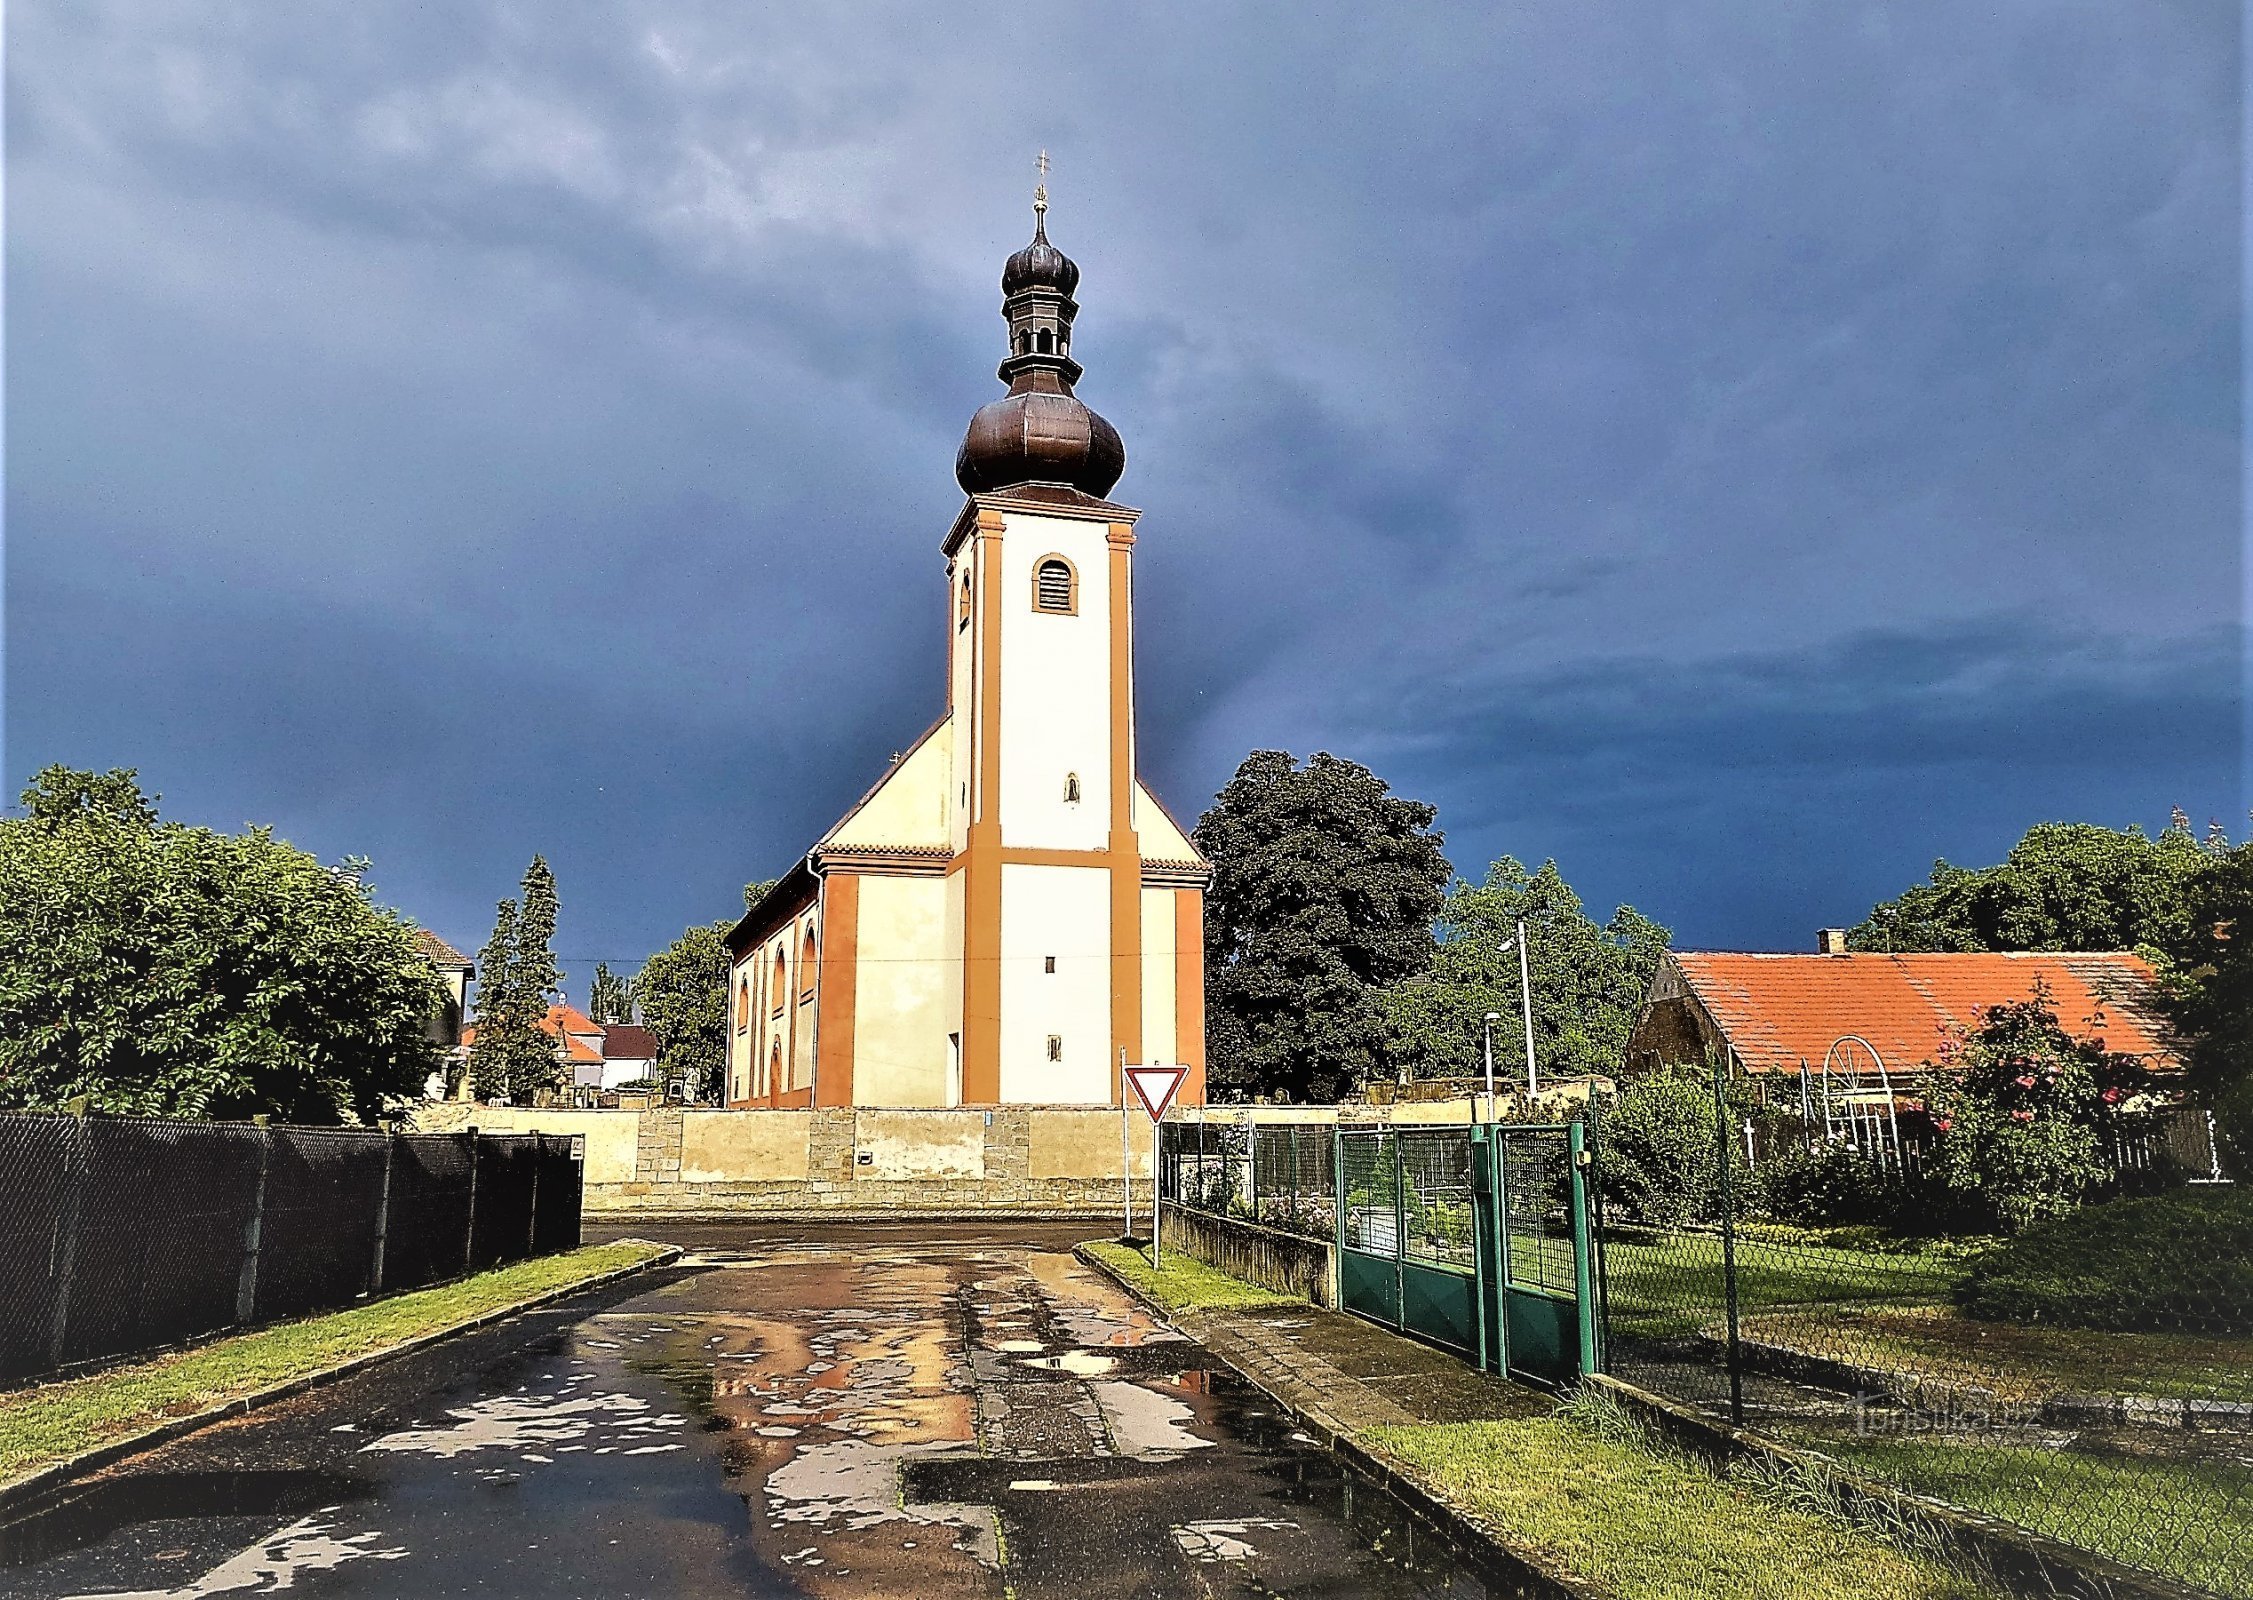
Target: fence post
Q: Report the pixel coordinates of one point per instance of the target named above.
(469, 1229)
(1583, 1264)
(383, 1214)
(1727, 1139)
(532, 1216)
(1338, 1218)
(66, 1244)
(254, 1232)
(1399, 1233)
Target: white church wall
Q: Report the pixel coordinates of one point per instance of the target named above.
(901, 979)
(1158, 975)
(1063, 912)
(1055, 689)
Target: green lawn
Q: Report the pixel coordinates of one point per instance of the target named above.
(2190, 1519)
(2018, 1361)
(1647, 1525)
(54, 1421)
(1182, 1282)
(1666, 1285)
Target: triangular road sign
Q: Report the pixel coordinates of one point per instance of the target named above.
(1155, 1087)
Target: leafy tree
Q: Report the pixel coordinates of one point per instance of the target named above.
(2022, 1111)
(2212, 996)
(1662, 1148)
(155, 969)
(683, 993)
(1324, 889)
(756, 890)
(608, 997)
(2064, 886)
(518, 981)
(1588, 981)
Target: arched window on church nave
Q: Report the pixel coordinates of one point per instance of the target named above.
(742, 1002)
(1055, 586)
(774, 1068)
(809, 963)
(781, 987)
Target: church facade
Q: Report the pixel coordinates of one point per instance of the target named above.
(1009, 914)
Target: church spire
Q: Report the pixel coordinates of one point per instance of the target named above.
(1039, 432)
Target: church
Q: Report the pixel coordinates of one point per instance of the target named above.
(1009, 914)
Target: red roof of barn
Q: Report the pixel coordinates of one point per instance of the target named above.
(1780, 1010)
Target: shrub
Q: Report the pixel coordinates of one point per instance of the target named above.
(1829, 1187)
(2022, 1113)
(2180, 1262)
(1659, 1143)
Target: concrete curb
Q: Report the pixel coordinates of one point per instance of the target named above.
(33, 1484)
(1528, 1567)
(2021, 1561)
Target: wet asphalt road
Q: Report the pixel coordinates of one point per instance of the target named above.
(927, 1412)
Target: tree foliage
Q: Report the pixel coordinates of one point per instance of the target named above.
(609, 997)
(517, 981)
(1324, 888)
(2211, 984)
(2064, 886)
(1588, 981)
(683, 994)
(156, 969)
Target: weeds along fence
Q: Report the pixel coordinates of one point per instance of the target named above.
(120, 1235)
(2090, 1380)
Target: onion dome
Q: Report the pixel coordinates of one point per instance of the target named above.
(1039, 432)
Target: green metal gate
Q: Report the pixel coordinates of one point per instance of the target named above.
(1473, 1238)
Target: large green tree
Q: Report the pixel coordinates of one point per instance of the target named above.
(155, 969)
(517, 981)
(1588, 981)
(683, 994)
(2064, 886)
(2211, 984)
(1324, 888)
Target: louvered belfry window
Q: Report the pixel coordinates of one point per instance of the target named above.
(1052, 585)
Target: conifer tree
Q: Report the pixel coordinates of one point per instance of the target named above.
(538, 982)
(496, 1016)
(608, 999)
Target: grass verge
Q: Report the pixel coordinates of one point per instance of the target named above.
(2190, 1519)
(1182, 1282)
(1647, 1524)
(1666, 1285)
(53, 1422)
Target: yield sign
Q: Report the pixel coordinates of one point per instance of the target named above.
(1155, 1087)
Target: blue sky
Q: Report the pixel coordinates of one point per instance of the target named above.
(1741, 452)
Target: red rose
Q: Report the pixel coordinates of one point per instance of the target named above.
(1942, 1123)
(2022, 1116)
(2024, 1080)
(2113, 1097)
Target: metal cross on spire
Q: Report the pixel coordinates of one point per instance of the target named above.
(1040, 189)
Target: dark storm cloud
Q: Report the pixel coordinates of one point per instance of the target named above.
(1745, 454)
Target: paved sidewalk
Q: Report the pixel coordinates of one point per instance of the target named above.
(1346, 1375)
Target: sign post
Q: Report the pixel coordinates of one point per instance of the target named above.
(1155, 1087)
(1126, 1156)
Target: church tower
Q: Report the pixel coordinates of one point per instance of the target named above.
(1009, 914)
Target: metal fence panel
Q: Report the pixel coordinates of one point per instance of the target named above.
(427, 1237)
(324, 1201)
(2137, 1445)
(124, 1234)
(38, 1161)
(1369, 1180)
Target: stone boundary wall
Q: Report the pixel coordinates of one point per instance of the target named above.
(1285, 1262)
(1009, 1160)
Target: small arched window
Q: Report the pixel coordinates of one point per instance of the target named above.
(774, 1068)
(1046, 341)
(962, 606)
(808, 965)
(742, 1003)
(1071, 788)
(1055, 586)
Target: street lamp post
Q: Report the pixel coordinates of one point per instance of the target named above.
(1525, 1001)
(1492, 1017)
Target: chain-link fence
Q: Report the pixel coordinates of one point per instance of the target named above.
(124, 1234)
(2089, 1378)
(1275, 1174)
